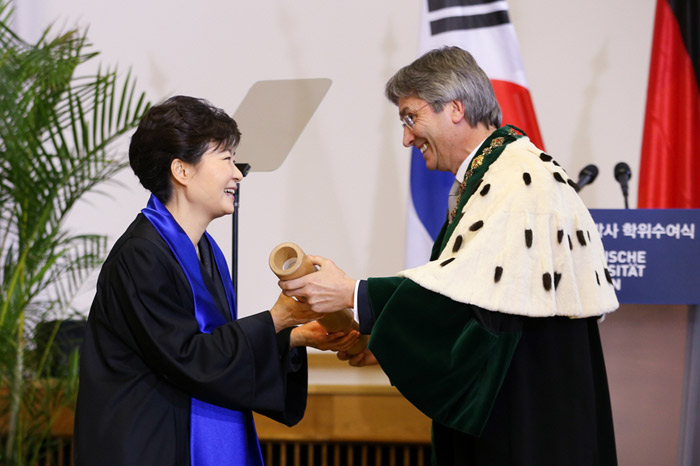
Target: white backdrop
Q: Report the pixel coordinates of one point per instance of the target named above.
(342, 191)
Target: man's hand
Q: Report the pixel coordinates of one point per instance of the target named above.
(363, 358)
(328, 289)
(313, 334)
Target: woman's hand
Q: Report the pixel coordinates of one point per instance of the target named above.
(363, 358)
(328, 289)
(313, 334)
(288, 312)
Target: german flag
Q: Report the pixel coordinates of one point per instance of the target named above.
(669, 175)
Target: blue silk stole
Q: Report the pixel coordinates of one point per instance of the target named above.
(218, 436)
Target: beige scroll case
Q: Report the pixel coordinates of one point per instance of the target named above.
(288, 261)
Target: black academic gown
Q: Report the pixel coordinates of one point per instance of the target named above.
(553, 408)
(144, 357)
(502, 390)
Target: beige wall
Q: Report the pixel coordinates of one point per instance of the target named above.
(342, 191)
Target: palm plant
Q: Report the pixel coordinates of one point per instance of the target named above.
(57, 131)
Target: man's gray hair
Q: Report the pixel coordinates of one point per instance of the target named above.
(447, 74)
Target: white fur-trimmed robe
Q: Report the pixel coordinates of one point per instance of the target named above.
(525, 244)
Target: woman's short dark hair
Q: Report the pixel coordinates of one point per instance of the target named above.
(182, 128)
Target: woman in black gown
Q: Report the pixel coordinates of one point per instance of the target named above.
(169, 375)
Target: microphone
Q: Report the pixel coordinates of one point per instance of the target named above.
(587, 176)
(623, 175)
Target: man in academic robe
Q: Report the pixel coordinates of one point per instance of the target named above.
(496, 338)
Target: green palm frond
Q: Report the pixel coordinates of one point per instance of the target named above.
(57, 132)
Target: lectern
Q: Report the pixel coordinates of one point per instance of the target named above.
(653, 256)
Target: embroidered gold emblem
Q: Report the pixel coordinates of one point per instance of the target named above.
(476, 163)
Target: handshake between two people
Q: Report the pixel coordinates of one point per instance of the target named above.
(317, 291)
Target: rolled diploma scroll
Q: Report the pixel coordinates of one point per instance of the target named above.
(288, 262)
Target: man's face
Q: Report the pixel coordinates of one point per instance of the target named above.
(428, 131)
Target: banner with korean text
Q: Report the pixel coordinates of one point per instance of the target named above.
(653, 255)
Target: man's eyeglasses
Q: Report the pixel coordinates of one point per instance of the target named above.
(408, 119)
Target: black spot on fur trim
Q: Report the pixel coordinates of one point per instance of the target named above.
(556, 163)
(476, 187)
(557, 176)
(589, 235)
(573, 184)
(607, 276)
(497, 275)
(528, 238)
(597, 277)
(557, 278)
(581, 237)
(560, 236)
(485, 191)
(444, 263)
(527, 178)
(547, 281)
(571, 245)
(476, 225)
(458, 244)
(545, 157)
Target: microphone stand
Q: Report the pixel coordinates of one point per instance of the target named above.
(244, 169)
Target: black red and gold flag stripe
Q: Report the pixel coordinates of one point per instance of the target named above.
(670, 161)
